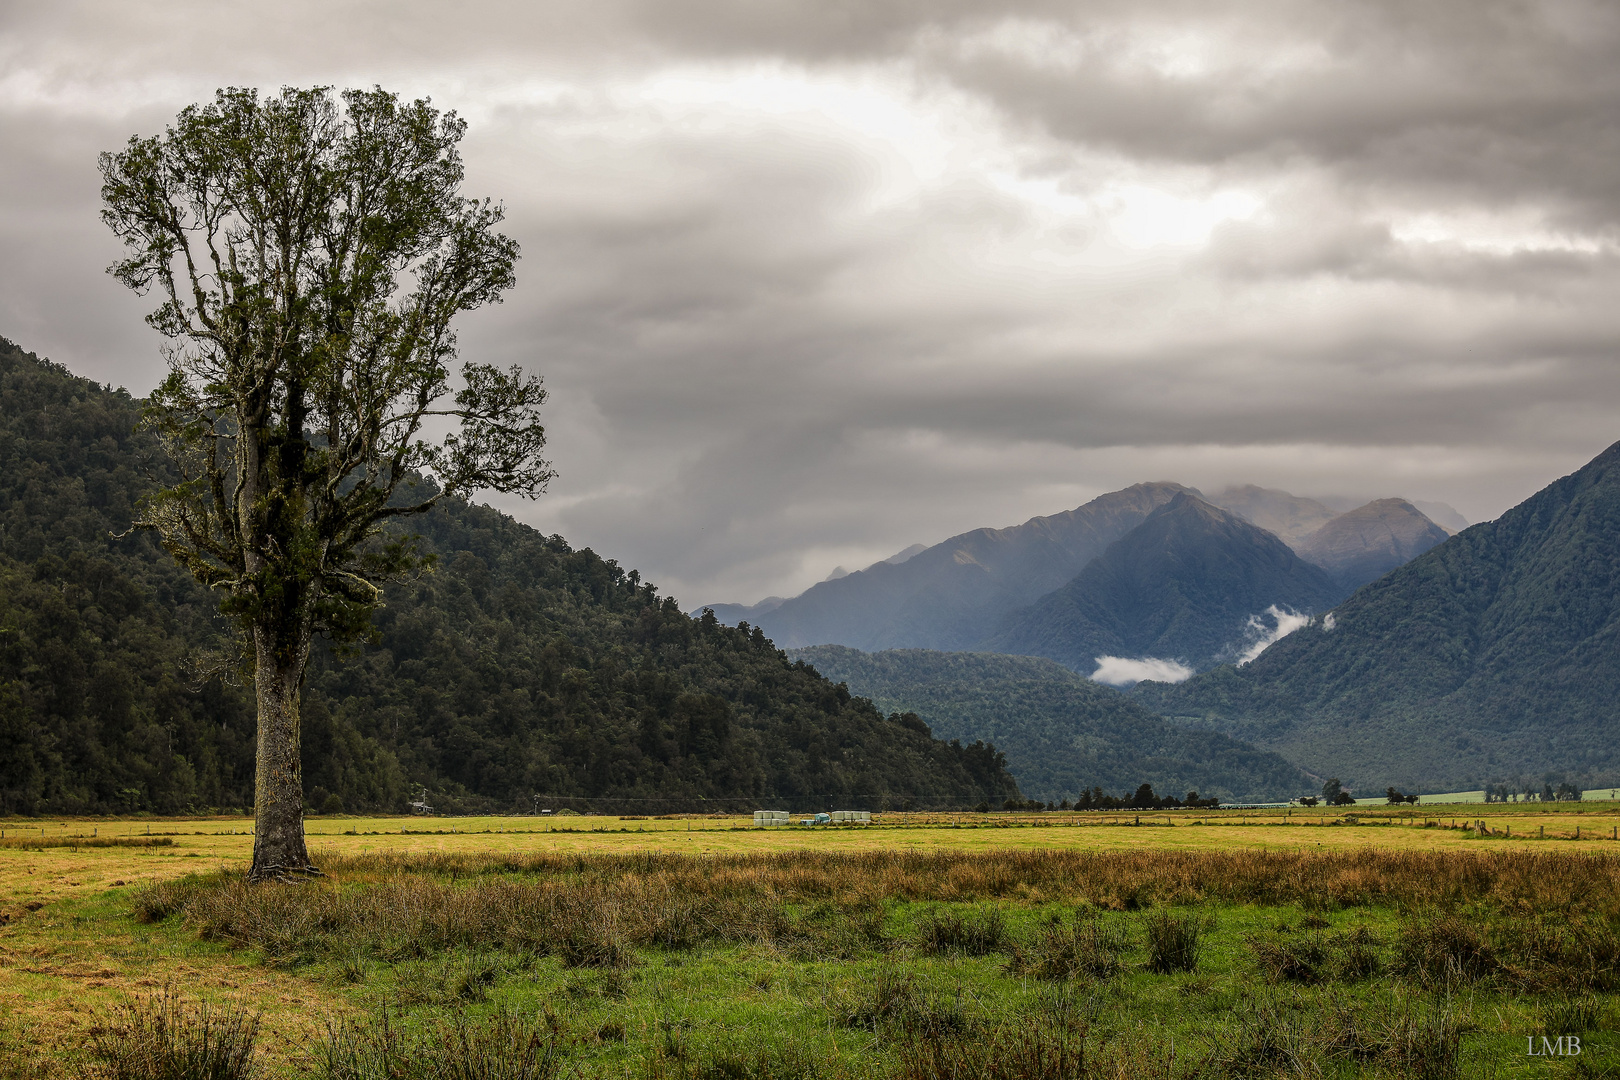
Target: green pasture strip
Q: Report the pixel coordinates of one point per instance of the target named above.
(844, 984)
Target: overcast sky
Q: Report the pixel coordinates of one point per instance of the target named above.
(814, 281)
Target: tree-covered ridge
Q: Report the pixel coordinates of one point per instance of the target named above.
(520, 667)
(1488, 658)
(1063, 734)
(524, 666)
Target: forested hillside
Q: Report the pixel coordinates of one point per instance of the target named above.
(519, 667)
(1062, 734)
(1488, 658)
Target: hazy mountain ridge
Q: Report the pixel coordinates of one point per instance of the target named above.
(1291, 518)
(949, 595)
(1061, 733)
(1364, 544)
(1492, 654)
(1183, 586)
(960, 593)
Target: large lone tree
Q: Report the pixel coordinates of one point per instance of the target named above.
(310, 252)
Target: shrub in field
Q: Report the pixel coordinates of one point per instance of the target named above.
(1315, 957)
(165, 1037)
(504, 1046)
(1173, 939)
(1442, 950)
(1262, 1041)
(1005, 1053)
(892, 1004)
(1090, 947)
(978, 933)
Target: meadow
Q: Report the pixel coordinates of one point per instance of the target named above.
(1408, 942)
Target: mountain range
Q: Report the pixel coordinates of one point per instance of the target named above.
(1494, 655)
(1111, 579)
(950, 595)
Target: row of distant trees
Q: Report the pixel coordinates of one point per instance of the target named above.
(1097, 799)
(1523, 792)
(1335, 794)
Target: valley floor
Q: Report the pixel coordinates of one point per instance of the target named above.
(1222, 944)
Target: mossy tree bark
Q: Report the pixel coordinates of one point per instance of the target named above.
(279, 850)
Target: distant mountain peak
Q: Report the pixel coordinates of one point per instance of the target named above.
(1291, 517)
(1183, 586)
(901, 556)
(1364, 544)
(951, 594)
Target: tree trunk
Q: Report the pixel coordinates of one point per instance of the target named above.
(278, 805)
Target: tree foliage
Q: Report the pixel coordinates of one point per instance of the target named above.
(309, 258)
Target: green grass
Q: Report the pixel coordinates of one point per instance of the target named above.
(893, 963)
(900, 965)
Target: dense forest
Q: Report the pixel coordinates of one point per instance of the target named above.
(1490, 658)
(519, 668)
(1065, 736)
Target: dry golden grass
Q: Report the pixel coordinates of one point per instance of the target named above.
(67, 948)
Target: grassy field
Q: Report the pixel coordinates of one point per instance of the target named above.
(1388, 942)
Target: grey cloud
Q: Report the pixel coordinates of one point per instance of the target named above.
(777, 341)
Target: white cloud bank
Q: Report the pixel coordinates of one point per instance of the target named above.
(1263, 635)
(1121, 671)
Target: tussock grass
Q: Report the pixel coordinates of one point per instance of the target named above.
(1399, 1037)
(892, 1004)
(856, 982)
(1088, 947)
(503, 1046)
(950, 933)
(1174, 939)
(1011, 1052)
(597, 912)
(1315, 957)
(166, 1037)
